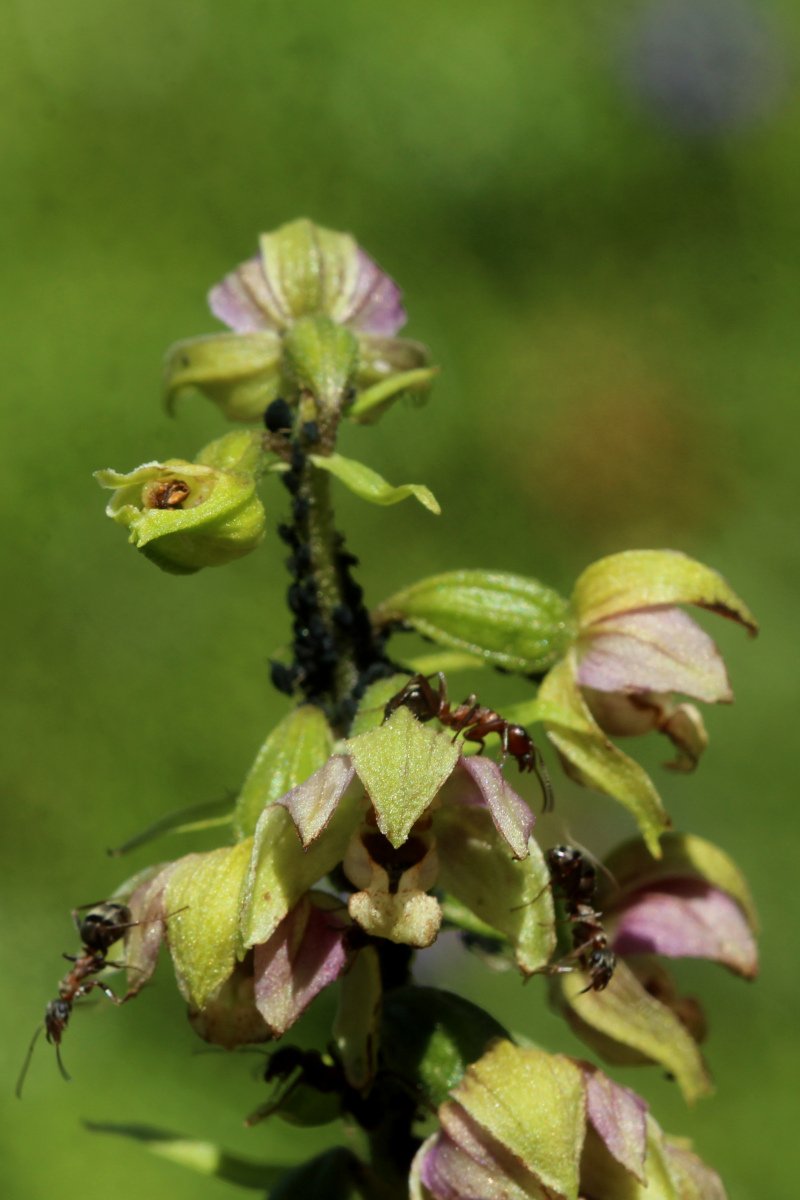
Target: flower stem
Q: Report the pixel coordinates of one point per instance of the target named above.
(335, 651)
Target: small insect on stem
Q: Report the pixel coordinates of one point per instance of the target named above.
(574, 880)
(102, 925)
(475, 721)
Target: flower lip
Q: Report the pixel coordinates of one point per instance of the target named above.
(652, 650)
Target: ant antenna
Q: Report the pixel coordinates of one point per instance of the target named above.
(27, 1063)
(64, 1072)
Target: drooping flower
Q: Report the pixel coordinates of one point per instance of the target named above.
(609, 660)
(693, 902)
(303, 271)
(526, 1125)
(187, 515)
(634, 647)
(253, 940)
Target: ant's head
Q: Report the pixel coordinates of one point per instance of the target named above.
(55, 1018)
(561, 859)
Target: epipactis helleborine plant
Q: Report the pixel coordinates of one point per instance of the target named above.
(368, 824)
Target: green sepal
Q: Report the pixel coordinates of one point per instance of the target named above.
(637, 579)
(205, 1158)
(321, 357)
(592, 758)
(403, 765)
(240, 450)
(293, 751)
(280, 870)
(631, 868)
(533, 1104)
(310, 270)
(369, 485)
(202, 896)
(625, 1024)
(505, 620)
(602, 1175)
(511, 896)
(373, 703)
(430, 1036)
(239, 373)
(372, 402)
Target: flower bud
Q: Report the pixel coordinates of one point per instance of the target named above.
(506, 620)
(184, 515)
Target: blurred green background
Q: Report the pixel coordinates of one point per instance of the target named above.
(593, 210)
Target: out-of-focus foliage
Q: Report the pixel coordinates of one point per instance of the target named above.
(593, 213)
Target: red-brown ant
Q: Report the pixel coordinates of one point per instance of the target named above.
(574, 879)
(102, 926)
(475, 721)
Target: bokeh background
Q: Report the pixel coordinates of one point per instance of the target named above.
(593, 210)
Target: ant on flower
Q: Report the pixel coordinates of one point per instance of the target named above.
(575, 879)
(475, 721)
(102, 926)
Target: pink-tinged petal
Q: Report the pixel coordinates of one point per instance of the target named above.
(620, 1118)
(687, 919)
(244, 301)
(654, 650)
(466, 1163)
(482, 782)
(143, 940)
(312, 804)
(375, 304)
(305, 953)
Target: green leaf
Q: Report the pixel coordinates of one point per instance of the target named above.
(403, 765)
(510, 895)
(369, 485)
(429, 1037)
(293, 751)
(183, 820)
(593, 759)
(333, 1175)
(355, 1029)
(626, 1016)
(206, 1158)
(504, 620)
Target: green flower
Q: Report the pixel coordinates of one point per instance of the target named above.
(633, 648)
(184, 515)
(526, 1125)
(304, 275)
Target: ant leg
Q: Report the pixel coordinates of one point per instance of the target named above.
(91, 984)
